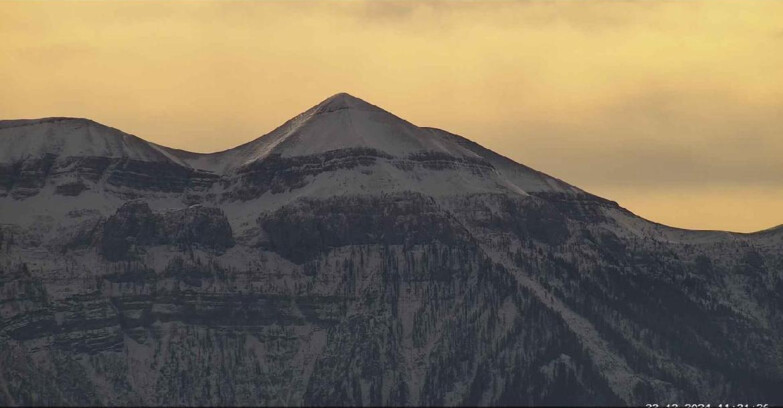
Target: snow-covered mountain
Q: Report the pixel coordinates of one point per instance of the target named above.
(344, 132)
(351, 257)
(69, 137)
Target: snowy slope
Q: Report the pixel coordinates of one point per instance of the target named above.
(339, 122)
(343, 122)
(524, 177)
(52, 166)
(71, 137)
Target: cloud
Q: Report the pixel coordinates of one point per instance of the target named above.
(659, 137)
(390, 11)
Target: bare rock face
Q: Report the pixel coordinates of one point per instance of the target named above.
(206, 227)
(134, 225)
(352, 258)
(306, 229)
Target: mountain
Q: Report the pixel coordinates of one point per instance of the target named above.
(350, 257)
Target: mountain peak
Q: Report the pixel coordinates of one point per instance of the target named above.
(342, 122)
(342, 129)
(344, 100)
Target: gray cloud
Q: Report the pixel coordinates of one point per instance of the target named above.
(662, 138)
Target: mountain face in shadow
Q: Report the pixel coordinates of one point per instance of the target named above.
(350, 257)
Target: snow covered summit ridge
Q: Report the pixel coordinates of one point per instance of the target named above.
(341, 122)
(63, 137)
(344, 100)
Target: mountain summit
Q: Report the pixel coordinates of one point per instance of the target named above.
(320, 147)
(349, 257)
(339, 122)
(344, 100)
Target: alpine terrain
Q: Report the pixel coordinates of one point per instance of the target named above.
(350, 257)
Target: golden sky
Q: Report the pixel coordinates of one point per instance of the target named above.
(673, 109)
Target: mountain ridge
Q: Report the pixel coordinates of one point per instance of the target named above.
(349, 257)
(224, 161)
(312, 151)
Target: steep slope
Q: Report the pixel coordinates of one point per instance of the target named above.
(78, 163)
(352, 258)
(371, 150)
(71, 137)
